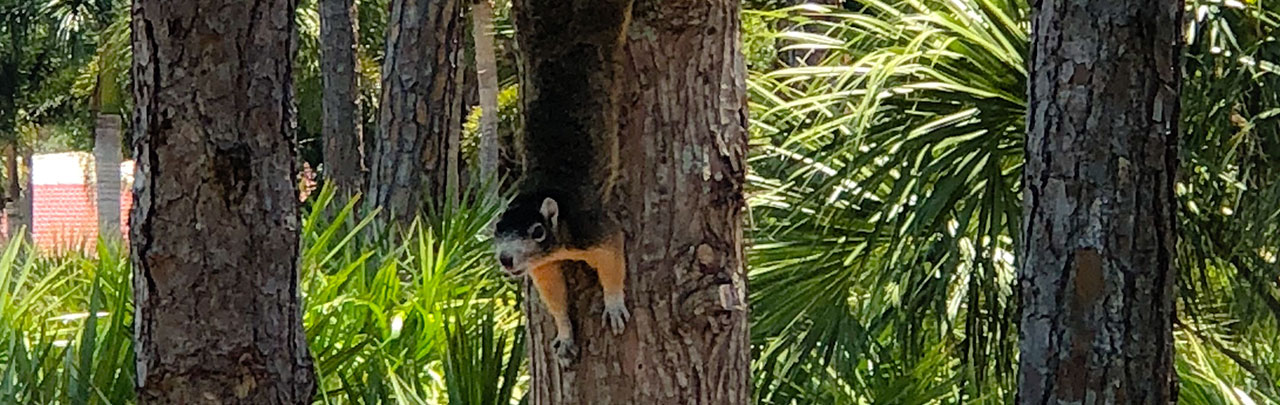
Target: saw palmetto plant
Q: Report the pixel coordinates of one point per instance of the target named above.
(887, 200)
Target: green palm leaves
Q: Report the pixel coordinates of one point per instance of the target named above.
(887, 202)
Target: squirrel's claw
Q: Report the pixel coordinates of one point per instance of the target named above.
(616, 316)
(565, 350)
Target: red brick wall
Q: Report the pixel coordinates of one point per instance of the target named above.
(66, 216)
(64, 204)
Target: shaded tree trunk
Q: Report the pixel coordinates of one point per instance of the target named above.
(25, 213)
(415, 154)
(1098, 273)
(10, 75)
(343, 140)
(21, 209)
(683, 140)
(106, 163)
(26, 203)
(214, 228)
(13, 189)
(487, 73)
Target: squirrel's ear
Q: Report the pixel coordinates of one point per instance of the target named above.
(550, 211)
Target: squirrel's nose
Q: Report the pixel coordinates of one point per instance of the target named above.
(506, 260)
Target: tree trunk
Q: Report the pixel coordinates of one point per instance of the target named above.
(416, 151)
(13, 190)
(20, 204)
(106, 162)
(343, 141)
(487, 72)
(26, 213)
(215, 224)
(1098, 274)
(683, 143)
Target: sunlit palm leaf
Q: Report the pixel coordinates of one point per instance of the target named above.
(886, 195)
(898, 161)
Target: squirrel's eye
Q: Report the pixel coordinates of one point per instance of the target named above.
(537, 233)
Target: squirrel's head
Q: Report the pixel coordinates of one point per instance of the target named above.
(525, 233)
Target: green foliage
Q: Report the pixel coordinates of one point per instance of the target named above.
(759, 43)
(420, 321)
(887, 194)
(43, 47)
(379, 308)
(886, 198)
(508, 124)
(483, 370)
(66, 326)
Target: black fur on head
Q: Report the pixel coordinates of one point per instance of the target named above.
(528, 230)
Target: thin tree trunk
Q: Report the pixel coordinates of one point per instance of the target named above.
(1098, 273)
(487, 72)
(13, 191)
(20, 203)
(106, 161)
(683, 144)
(416, 152)
(26, 218)
(214, 228)
(343, 140)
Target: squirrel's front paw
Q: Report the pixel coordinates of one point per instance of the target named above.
(565, 350)
(616, 315)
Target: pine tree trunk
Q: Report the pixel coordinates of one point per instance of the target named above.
(106, 162)
(343, 140)
(214, 228)
(415, 154)
(487, 72)
(683, 144)
(1098, 275)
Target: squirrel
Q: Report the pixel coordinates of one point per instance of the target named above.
(542, 230)
(560, 215)
(570, 55)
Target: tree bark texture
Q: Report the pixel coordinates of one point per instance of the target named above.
(106, 163)
(487, 73)
(214, 227)
(683, 142)
(415, 154)
(340, 104)
(1097, 276)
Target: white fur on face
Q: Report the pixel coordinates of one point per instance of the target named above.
(522, 251)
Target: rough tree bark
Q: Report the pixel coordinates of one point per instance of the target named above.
(683, 140)
(1098, 274)
(106, 163)
(487, 72)
(415, 154)
(343, 140)
(214, 229)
